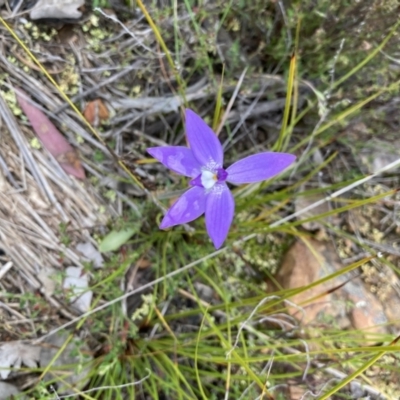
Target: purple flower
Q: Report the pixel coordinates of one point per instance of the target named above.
(209, 193)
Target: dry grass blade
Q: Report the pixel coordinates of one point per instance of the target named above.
(36, 197)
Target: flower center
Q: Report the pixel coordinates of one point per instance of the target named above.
(207, 179)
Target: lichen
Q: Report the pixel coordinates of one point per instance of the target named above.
(69, 80)
(35, 143)
(11, 100)
(144, 309)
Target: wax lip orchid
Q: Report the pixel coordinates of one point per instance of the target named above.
(209, 192)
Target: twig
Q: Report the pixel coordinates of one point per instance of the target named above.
(231, 102)
(250, 317)
(5, 268)
(129, 32)
(116, 387)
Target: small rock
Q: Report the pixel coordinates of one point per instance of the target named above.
(296, 392)
(384, 281)
(366, 312)
(292, 390)
(377, 154)
(305, 263)
(380, 161)
(301, 267)
(204, 292)
(317, 157)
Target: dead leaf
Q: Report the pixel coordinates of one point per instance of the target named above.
(95, 112)
(72, 365)
(70, 158)
(51, 139)
(91, 253)
(14, 354)
(57, 9)
(47, 278)
(77, 281)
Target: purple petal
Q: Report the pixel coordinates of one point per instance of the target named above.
(203, 142)
(258, 167)
(188, 207)
(177, 158)
(220, 207)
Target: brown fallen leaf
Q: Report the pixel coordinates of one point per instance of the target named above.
(95, 112)
(51, 139)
